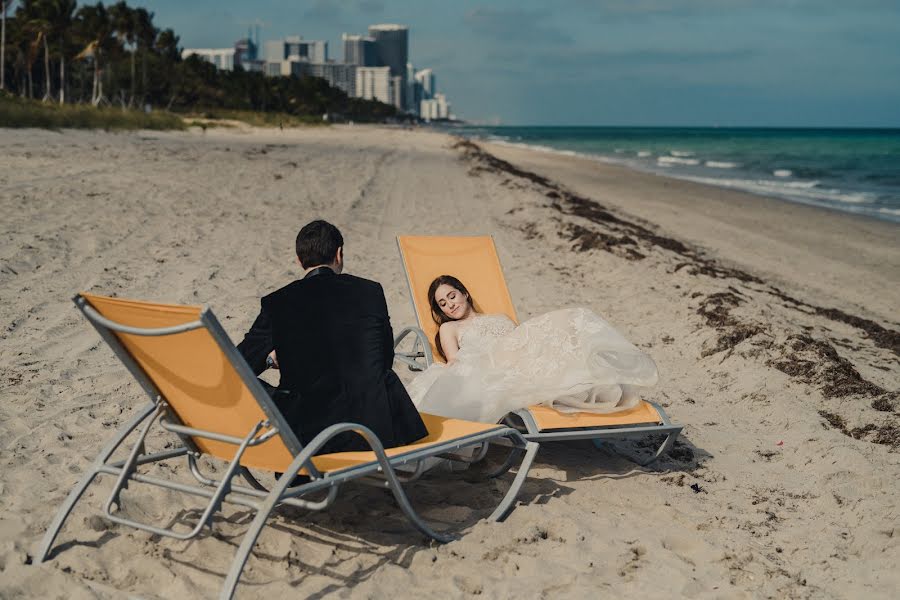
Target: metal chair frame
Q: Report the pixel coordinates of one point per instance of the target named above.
(381, 471)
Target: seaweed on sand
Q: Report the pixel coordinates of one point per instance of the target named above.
(817, 362)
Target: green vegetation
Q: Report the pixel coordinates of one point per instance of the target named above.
(257, 119)
(115, 59)
(21, 112)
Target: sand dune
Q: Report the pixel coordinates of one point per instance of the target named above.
(774, 327)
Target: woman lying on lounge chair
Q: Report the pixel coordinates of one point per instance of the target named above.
(570, 359)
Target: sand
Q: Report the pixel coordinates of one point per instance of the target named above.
(774, 327)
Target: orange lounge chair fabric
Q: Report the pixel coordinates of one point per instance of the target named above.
(548, 418)
(472, 260)
(200, 385)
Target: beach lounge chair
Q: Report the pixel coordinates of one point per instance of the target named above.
(474, 261)
(203, 392)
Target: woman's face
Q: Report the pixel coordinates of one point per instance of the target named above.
(453, 302)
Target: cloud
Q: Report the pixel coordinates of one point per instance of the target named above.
(516, 25)
(337, 12)
(639, 9)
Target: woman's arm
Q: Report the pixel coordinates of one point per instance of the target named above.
(449, 342)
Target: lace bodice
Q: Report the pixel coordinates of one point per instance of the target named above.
(478, 333)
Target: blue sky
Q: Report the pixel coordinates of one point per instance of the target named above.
(612, 62)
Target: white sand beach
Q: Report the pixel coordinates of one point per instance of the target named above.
(774, 326)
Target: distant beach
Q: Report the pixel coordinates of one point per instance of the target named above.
(774, 325)
(851, 170)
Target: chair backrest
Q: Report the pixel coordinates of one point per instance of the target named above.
(471, 259)
(198, 372)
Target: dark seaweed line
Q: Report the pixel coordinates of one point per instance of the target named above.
(596, 213)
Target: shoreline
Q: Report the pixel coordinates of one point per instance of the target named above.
(773, 351)
(798, 231)
(607, 161)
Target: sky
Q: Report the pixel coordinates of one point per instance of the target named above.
(805, 63)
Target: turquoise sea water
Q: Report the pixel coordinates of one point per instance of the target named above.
(851, 170)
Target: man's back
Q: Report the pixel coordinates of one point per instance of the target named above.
(334, 344)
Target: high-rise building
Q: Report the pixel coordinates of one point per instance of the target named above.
(359, 50)
(294, 47)
(426, 78)
(398, 92)
(337, 75)
(246, 55)
(286, 68)
(273, 51)
(435, 108)
(392, 50)
(374, 83)
(413, 89)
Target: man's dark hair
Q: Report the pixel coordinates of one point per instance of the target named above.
(318, 243)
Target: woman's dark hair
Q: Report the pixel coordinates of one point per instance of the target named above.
(437, 314)
(318, 243)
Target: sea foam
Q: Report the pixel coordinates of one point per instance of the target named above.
(782, 172)
(720, 164)
(675, 160)
(801, 191)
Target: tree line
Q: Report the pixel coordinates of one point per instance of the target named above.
(56, 51)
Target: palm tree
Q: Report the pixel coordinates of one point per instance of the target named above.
(19, 45)
(123, 21)
(4, 4)
(50, 19)
(167, 47)
(61, 22)
(34, 16)
(95, 28)
(17, 54)
(146, 34)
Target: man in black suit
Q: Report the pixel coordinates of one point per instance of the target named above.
(334, 346)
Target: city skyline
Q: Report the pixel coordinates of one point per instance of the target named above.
(374, 66)
(659, 62)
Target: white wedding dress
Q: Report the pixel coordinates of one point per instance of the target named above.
(570, 359)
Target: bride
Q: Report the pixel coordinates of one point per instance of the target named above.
(569, 359)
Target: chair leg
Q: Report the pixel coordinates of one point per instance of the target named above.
(243, 552)
(405, 506)
(259, 521)
(62, 514)
(75, 494)
(506, 505)
(664, 447)
(253, 481)
(507, 464)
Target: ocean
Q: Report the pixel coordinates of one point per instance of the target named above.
(850, 170)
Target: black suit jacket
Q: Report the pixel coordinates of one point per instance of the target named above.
(335, 349)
